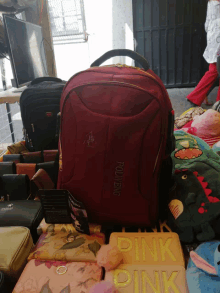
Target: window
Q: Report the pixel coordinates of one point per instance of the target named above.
(67, 21)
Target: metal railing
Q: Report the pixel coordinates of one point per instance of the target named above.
(10, 125)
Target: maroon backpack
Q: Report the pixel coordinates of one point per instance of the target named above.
(116, 137)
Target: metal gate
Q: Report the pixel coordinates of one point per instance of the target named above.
(171, 35)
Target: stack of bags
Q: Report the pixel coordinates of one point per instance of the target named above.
(62, 260)
(23, 174)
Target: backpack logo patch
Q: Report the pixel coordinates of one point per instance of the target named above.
(90, 140)
(49, 114)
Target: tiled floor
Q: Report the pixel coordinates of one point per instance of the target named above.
(178, 98)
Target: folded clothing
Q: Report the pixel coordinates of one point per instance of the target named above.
(67, 246)
(57, 277)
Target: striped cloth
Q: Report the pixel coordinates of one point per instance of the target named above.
(211, 140)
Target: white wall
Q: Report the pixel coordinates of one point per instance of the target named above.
(109, 24)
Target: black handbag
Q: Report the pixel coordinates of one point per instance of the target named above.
(16, 158)
(7, 168)
(25, 213)
(15, 186)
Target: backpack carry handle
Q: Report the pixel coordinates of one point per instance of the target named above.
(122, 52)
(46, 78)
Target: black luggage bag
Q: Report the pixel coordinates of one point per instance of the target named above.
(40, 104)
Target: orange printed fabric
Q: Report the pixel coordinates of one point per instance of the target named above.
(64, 246)
(44, 228)
(54, 276)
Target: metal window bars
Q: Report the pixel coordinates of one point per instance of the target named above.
(10, 129)
(67, 18)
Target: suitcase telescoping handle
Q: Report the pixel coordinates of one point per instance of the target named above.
(122, 52)
(46, 78)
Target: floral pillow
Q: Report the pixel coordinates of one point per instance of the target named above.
(64, 246)
(58, 277)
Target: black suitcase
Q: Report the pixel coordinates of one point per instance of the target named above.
(40, 104)
(25, 213)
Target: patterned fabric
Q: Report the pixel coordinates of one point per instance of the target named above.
(65, 246)
(44, 228)
(212, 27)
(211, 140)
(188, 116)
(58, 277)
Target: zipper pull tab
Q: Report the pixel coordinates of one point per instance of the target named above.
(32, 127)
